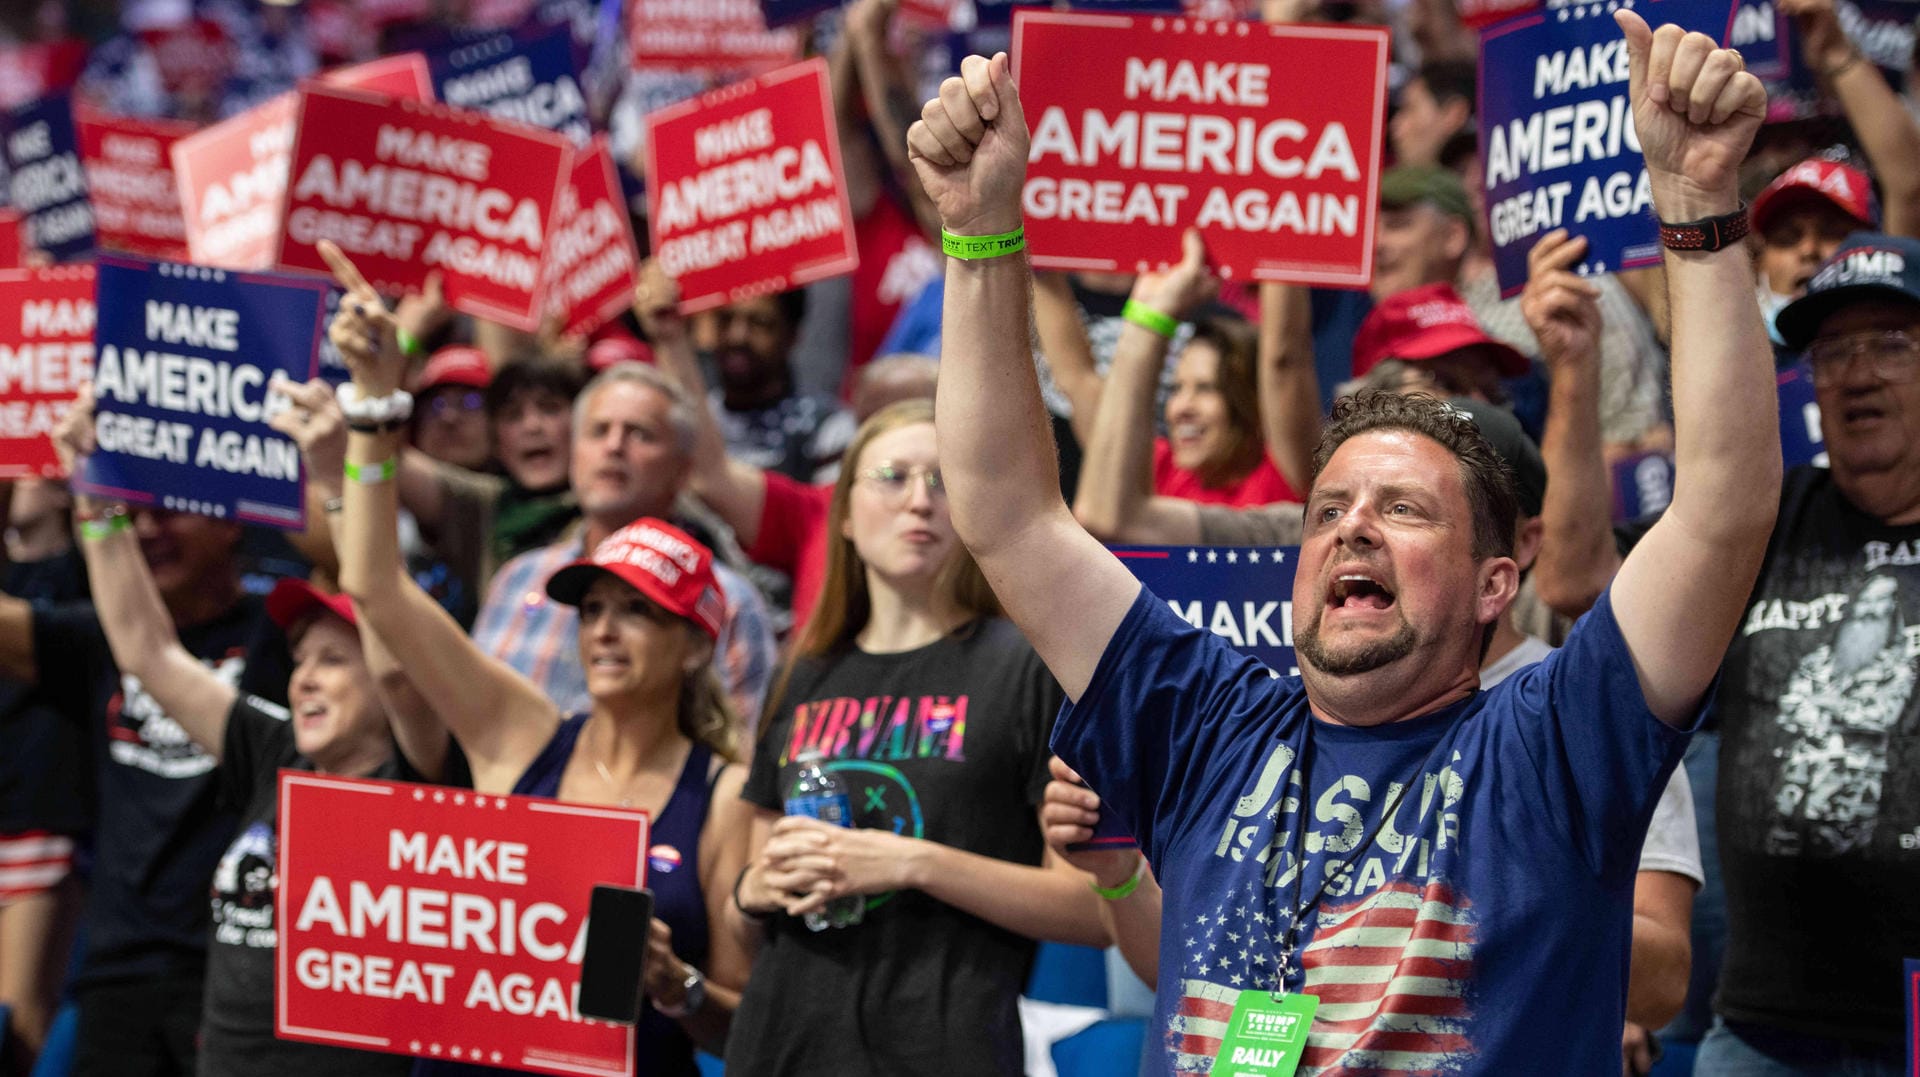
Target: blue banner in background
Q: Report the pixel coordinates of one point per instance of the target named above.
(1243, 594)
(780, 13)
(183, 358)
(45, 180)
(1558, 149)
(532, 79)
(1801, 441)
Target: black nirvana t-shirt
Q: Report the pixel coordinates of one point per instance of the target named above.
(948, 743)
(237, 1027)
(1819, 796)
(159, 831)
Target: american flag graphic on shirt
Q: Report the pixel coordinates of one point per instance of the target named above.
(1390, 968)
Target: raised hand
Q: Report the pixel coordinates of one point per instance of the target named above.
(363, 329)
(1696, 109)
(970, 148)
(656, 303)
(1182, 288)
(1068, 813)
(315, 424)
(421, 314)
(73, 434)
(1561, 307)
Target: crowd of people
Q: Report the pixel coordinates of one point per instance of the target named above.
(1569, 781)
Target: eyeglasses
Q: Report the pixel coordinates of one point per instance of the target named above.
(447, 405)
(1891, 355)
(894, 482)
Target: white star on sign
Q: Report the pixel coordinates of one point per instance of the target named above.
(1233, 557)
(1192, 556)
(1254, 556)
(1212, 557)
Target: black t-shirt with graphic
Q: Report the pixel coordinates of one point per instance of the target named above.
(947, 742)
(237, 1026)
(1819, 795)
(159, 831)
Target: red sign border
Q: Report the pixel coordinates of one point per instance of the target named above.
(621, 300)
(845, 262)
(182, 171)
(1383, 46)
(289, 778)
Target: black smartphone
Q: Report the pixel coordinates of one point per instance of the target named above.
(615, 954)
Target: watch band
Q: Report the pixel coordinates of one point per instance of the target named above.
(694, 991)
(1706, 234)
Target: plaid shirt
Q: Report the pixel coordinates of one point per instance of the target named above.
(539, 637)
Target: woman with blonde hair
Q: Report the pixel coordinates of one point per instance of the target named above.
(932, 712)
(659, 736)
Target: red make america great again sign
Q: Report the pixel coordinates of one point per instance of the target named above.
(446, 924)
(406, 187)
(1264, 136)
(745, 190)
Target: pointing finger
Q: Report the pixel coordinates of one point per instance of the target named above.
(343, 268)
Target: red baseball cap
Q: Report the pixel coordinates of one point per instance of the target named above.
(607, 351)
(1813, 180)
(1426, 323)
(657, 559)
(456, 364)
(292, 600)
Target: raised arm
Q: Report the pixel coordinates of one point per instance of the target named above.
(316, 425)
(1577, 556)
(1679, 595)
(996, 449)
(1065, 349)
(884, 85)
(734, 489)
(500, 718)
(1289, 384)
(138, 627)
(1116, 475)
(1888, 132)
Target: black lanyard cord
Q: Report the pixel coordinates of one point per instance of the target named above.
(1300, 843)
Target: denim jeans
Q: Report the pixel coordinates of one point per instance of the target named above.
(1757, 1051)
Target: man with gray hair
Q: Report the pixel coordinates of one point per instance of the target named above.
(633, 433)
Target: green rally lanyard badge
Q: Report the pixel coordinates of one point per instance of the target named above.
(1266, 1035)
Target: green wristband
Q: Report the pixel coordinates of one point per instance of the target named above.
(409, 344)
(373, 474)
(1150, 319)
(1115, 893)
(110, 523)
(975, 247)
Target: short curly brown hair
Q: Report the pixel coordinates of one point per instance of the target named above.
(1488, 480)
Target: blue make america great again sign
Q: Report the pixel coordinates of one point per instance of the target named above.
(184, 355)
(1556, 130)
(1243, 594)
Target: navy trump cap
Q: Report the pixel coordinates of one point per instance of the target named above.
(1868, 265)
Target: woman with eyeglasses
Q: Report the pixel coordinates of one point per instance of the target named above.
(932, 712)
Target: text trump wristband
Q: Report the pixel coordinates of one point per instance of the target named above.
(373, 474)
(976, 247)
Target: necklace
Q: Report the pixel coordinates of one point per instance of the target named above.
(606, 777)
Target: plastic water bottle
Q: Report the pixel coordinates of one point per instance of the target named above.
(819, 795)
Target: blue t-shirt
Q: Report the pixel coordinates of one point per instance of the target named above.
(1484, 930)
